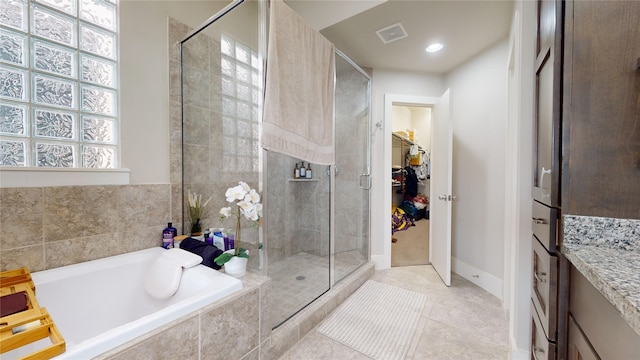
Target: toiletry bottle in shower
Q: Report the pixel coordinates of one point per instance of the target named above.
(167, 237)
(309, 174)
(296, 172)
(303, 170)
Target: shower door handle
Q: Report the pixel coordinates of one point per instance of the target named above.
(367, 185)
(329, 170)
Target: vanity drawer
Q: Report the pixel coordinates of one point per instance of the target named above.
(609, 334)
(541, 347)
(579, 347)
(545, 288)
(545, 225)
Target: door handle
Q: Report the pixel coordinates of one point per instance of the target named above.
(539, 221)
(538, 275)
(536, 350)
(451, 197)
(367, 186)
(442, 197)
(544, 172)
(329, 170)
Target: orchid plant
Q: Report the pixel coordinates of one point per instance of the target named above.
(247, 204)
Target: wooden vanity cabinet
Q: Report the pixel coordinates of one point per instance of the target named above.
(579, 347)
(608, 335)
(586, 156)
(545, 330)
(601, 109)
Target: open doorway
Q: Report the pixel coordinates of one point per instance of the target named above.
(411, 166)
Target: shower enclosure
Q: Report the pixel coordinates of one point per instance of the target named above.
(315, 231)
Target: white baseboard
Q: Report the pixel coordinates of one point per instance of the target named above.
(519, 354)
(481, 278)
(382, 262)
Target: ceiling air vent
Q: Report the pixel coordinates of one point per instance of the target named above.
(392, 33)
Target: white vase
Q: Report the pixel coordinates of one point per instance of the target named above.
(236, 267)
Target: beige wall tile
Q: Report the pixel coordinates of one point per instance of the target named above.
(231, 331)
(72, 251)
(79, 211)
(143, 206)
(20, 217)
(31, 257)
(179, 342)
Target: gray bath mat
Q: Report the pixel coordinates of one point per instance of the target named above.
(378, 320)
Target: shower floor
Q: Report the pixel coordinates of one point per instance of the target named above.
(300, 278)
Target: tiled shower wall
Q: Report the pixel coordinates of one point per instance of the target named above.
(220, 146)
(299, 221)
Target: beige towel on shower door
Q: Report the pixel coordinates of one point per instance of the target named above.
(298, 107)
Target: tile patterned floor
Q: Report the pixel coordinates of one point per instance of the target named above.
(299, 279)
(458, 322)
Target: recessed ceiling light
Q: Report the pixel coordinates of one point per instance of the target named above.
(434, 47)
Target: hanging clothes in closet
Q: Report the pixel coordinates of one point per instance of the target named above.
(419, 160)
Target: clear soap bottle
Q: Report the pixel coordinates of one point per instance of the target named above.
(309, 174)
(303, 170)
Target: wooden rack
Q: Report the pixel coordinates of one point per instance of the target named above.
(30, 325)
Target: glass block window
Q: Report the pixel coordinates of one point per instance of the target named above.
(241, 84)
(58, 83)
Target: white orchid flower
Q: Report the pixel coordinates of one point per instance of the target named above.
(258, 208)
(251, 214)
(235, 193)
(225, 211)
(253, 196)
(245, 205)
(245, 186)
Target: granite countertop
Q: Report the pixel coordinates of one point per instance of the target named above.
(606, 251)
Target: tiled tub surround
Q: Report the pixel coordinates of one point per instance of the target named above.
(48, 227)
(238, 326)
(607, 252)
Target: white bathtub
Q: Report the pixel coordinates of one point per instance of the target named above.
(101, 304)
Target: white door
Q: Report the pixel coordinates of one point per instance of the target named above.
(441, 195)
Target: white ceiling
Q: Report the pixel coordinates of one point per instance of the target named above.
(466, 28)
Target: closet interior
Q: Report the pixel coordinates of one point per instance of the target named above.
(410, 177)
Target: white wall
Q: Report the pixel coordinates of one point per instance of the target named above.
(519, 178)
(144, 82)
(479, 106)
(401, 118)
(421, 123)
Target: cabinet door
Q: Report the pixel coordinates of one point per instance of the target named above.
(545, 288)
(548, 71)
(601, 132)
(579, 347)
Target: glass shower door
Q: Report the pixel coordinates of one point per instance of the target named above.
(297, 235)
(352, 158)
